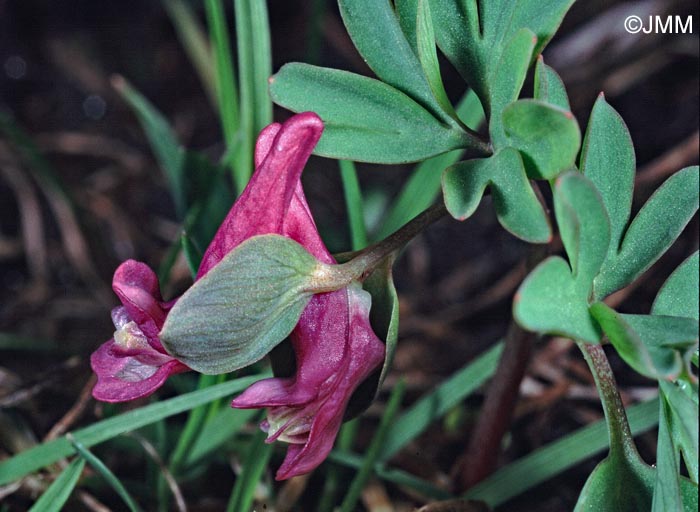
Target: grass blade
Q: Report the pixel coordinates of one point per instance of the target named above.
(47, 453)
(255, 463)
(254, 69)
(396, 476)
(194, 41)
(425, 411)
(103, 470)
(217, 431)
(225, 83)
(333, 482)
(60, 490)
(546, 462)
(353, 203)
(163, 142)
(374, 449)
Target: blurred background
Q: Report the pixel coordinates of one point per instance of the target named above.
(86, 193)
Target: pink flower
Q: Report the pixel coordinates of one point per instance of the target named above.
(134, 363)
(335, 348)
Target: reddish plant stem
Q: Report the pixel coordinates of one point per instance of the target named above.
(479, 460)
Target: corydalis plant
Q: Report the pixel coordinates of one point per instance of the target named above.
(250, 292)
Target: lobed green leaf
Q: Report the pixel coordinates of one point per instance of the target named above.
(376, 33)
(554, 297)
(657, 225)
(374, 123)
(547, 137)
(517, 207)
(655, 346)
(422, 188)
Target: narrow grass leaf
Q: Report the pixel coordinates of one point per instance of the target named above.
(11, 341)
(47, 453)
(192, 428)
(60, 490)
(194, 41)
(423, 413)
(353, 204)
(162, 139)
(226, 90)
(106, 473)
(374, 449)
(254, 465)
(558, 456)
(254, 70)
(396, 476)
(216, 432)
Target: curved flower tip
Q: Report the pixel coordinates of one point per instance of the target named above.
(281, 153)
(134, 363)
(336, 350)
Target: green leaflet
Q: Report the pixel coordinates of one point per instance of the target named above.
(679, 294)
(547, 137)
(473, 35)
(655, 346)
(554, 297)
(243, 307)
(506, 80)
(657, 225)
(377, 35)
(607, 159)
(683, 420)
(517, 207)
(667, 492)
(427, 55)
(549, 86)
(373, 123)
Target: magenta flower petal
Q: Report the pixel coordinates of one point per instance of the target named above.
(262, 207)
(336, 350)
(122, 378)
(134, 363)
(135, 359)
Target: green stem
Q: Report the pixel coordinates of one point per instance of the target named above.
(364, 262)
(374, 449)
(615, 415)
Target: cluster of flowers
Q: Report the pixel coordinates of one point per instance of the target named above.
(335, 347)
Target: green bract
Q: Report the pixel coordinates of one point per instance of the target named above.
(243, 307)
